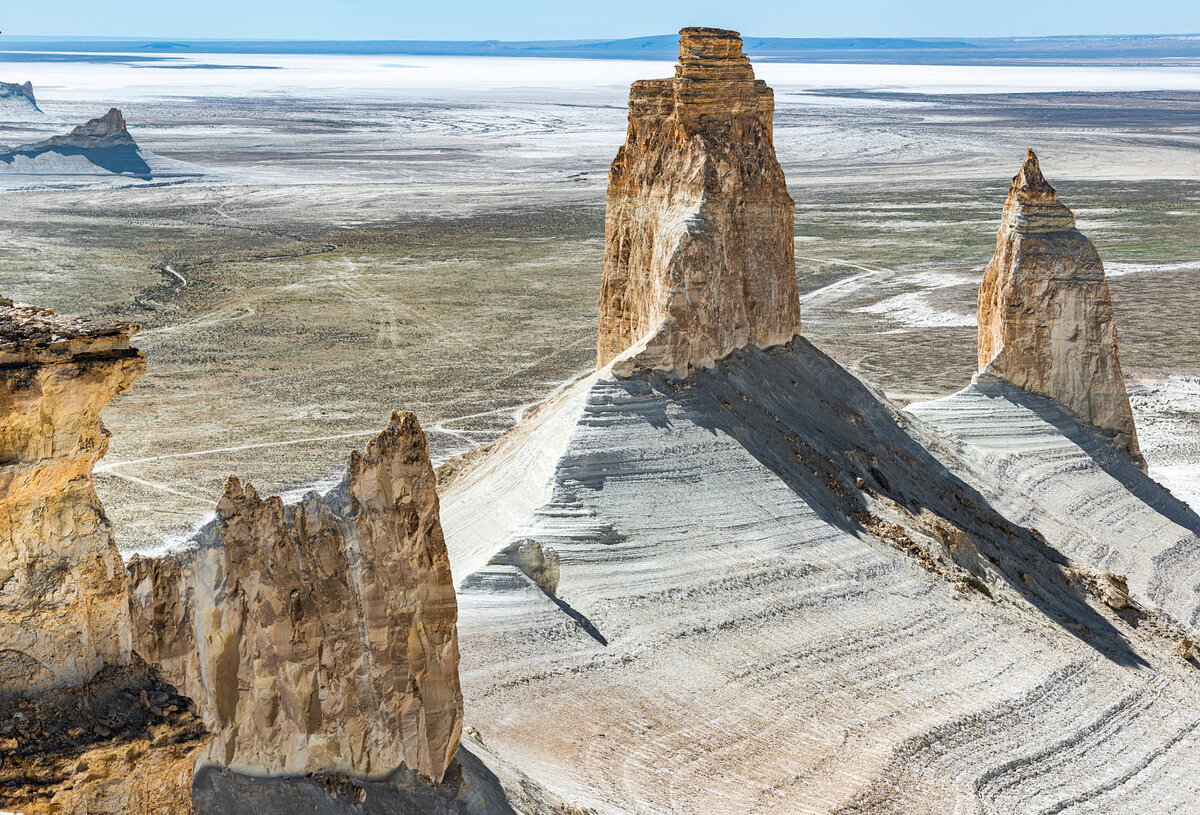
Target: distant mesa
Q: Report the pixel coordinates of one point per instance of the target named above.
(101, 146)
(17, 103)
(1045, 315)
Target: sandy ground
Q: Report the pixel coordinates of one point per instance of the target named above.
(428, 235)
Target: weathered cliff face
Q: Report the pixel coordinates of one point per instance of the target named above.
(1045, 315)
(63, 597)
(108, 130)
(321, 635)
(698, 256)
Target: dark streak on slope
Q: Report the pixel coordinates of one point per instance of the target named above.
(827, 431)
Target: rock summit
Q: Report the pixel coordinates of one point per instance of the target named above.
(698, 258)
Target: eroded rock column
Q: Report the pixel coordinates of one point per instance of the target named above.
(1045, 314)
(320, 635)
(63, 596)
(699, 257)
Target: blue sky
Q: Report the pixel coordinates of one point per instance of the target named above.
(565, 19)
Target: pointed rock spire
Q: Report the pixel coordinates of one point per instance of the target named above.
(109, 126)
(1032, 204)
(317, 636)
(698, 256)
(1045, 314)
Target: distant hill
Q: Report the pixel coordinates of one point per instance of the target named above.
(1114, 50)
(17, 103)
(100, 147)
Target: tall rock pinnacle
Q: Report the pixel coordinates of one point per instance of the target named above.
(1045, 315)
(698, 258)
(63, 597)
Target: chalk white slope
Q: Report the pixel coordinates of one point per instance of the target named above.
(773, 599)
(1043, 467)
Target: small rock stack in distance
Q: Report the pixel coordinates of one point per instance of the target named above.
(1045, 315)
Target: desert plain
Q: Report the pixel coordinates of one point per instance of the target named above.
(348, 235)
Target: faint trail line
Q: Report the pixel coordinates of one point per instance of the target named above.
(162, 487)
(516, 411)
(836, 262)
(178, 283)
(834, 288)
(104, 468)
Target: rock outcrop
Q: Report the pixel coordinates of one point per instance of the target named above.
(86, 728)
(123, 743)
(699, 230)
(63, 597)
(318, 636)
(1045, 314)
(17, 101)
(108, 130)
(101, 145)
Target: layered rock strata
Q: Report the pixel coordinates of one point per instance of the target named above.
(318, 636)
(63, 597)
(698, 256)
(1045, 314)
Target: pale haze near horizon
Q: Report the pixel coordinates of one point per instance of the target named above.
(535, 19)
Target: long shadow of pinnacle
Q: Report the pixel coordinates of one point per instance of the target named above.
(580, 619)
(819, 428)
(1116, 464)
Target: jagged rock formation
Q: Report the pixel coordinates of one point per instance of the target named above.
(17, 102)
(318, 636)
(101, 145)
(1045, 314)
(108, 130)
(63, 598)
(698, 256)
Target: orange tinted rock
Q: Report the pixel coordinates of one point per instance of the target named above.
(63, 602)
(698, 257)
(1045, 314)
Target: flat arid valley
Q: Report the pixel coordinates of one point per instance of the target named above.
(702, 423)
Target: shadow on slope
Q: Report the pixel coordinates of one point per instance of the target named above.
(1116, 464)
(851, 457)
(124, 159)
